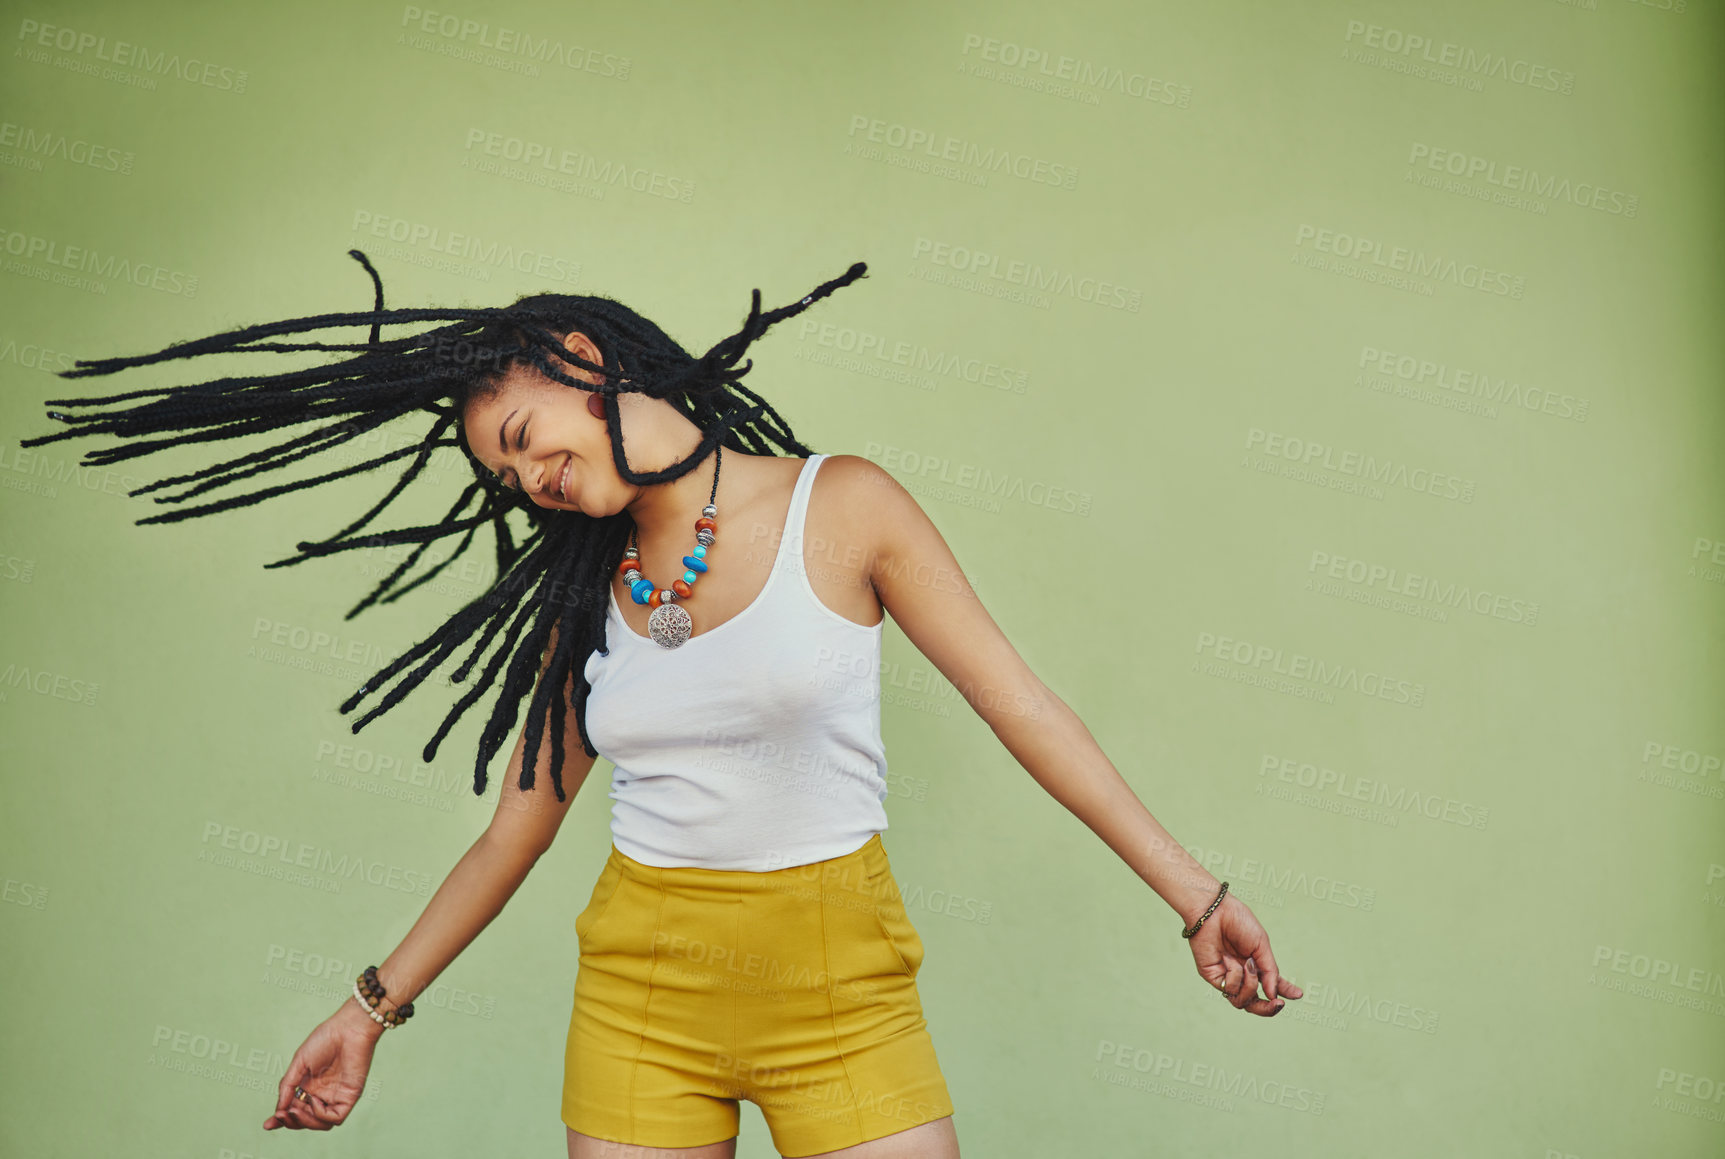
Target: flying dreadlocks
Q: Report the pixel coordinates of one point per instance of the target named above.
(556, 577)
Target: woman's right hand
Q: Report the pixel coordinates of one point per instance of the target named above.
(331, 1066)
(1232, 953)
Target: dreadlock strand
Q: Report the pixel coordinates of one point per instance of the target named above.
(223, 474)
(252, 457)
(308, 549)
(271, 492)
(430, 575)
(422, 456)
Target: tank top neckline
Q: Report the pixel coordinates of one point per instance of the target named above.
(798, 512)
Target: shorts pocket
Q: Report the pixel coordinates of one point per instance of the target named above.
(895, 924)
(598, 905)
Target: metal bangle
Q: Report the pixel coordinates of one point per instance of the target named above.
(1188, 933)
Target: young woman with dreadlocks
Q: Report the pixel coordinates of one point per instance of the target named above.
(705, 611)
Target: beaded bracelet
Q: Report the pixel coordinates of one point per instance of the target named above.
(1207, 913)
(370, 993)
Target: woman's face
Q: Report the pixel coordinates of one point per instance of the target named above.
(540, 438)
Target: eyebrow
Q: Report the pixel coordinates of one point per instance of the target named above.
(502, 441)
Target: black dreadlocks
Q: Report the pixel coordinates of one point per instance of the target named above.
(556, 578)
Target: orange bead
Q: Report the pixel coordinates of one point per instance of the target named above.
(654, 599)
(682, 589)
(703, 521)
(629, 565)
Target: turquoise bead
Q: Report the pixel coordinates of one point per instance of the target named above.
(701, 552)
(640, 590)
(690, 577)
(694, 564)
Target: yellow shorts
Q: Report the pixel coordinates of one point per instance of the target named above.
(794, 989)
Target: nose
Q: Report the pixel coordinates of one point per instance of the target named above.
(542, 489)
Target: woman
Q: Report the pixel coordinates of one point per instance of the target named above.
(711, 612)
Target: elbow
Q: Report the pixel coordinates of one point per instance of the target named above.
(512, 841)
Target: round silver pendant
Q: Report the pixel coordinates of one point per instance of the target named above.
(670, 625)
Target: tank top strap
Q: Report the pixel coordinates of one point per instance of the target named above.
(797, 516)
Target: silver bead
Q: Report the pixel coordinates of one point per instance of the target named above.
(666, 596)
(710, 511)
(704, 537)
(631, 553)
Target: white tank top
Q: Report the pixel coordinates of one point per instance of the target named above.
(756, 744)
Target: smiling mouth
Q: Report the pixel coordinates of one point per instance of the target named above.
(563, 480)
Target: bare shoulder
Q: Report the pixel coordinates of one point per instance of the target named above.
(851, 505)
(881, 519)
(862, 489)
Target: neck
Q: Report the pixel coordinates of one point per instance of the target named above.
(674, 506)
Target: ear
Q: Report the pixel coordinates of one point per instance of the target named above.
(582, 346)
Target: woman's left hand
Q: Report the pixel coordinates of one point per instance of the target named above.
(1233, 954)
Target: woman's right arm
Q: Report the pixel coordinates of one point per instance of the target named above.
(333, 1062)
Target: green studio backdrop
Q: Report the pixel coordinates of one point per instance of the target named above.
(1324, 397)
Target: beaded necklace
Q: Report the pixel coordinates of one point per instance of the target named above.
(670, 624)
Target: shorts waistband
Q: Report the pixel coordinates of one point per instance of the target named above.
(848, 872)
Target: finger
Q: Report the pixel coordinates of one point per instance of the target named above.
(1248, 988)
(1231, 979)
(305, 1116)
(1269, 975)
(297, 1072)
(319, 1111)
(1254, 980)
(1263, 1006)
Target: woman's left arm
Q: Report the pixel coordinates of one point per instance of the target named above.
(921, 584)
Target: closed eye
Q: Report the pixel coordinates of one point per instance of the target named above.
(520, 445)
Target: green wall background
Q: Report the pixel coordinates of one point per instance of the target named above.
(1236, 335)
